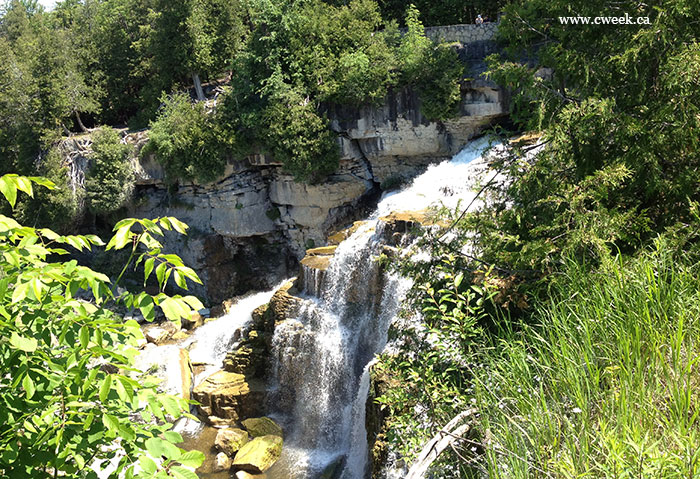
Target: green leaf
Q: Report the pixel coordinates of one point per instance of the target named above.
(160, 273)
(182, 473)
(180, 279)
(148, 269)
(148, 465)
(174, 309)
(121, 238)
(179, 226)
(28, 386)
(8, 189)
(146, 306)
(158, 447)
(111, 423)
(28, 345)
(192, 459)
(194, 302)
(84, 336)
(170, 405)
(20, 292)
(105, 387)
(173, 437)
(23, 184)
(125, 389)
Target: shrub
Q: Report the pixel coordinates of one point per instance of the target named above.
(109, 181)
(301, 139)
(67, 401)
(58, 208)
(434, 70)
(188, 140)
(439, 83)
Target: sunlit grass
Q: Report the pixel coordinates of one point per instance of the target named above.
(606, 385)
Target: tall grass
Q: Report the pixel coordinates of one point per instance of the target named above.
(606, 385)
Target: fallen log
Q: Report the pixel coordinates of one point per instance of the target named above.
(442, 440)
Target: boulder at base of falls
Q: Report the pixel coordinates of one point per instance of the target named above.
(228, 396)
(259, 454)
(262, 426)
(230, 440)
(222, 462)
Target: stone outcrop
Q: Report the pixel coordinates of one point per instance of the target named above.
(252, 356)
(262, 426)
(230, 440)
(229, 396)
(221, 462)
(259, 455)
(250, 228)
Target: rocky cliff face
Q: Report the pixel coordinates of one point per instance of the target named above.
(250, 227)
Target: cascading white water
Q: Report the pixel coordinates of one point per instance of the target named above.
(210, 343)
(207, 348)
(322, 356)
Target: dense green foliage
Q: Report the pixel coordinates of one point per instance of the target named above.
(301, 55)
(58, 206)
(620, 119)
(92, 62)
(188, 140)
(574, 342)
(109, 181)
(69, 402)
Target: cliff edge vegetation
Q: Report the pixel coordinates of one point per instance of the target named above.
(559, 315)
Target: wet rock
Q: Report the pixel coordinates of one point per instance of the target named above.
(222, 462)
(230, 440)
(180, 335)
(376, 418)
(195, 321)
(262, 426)
(319, 258)
(284, 304)
(228, 396)
(334, 469)
(259, 455)
(320, 263)
(340, 236)
(157, 335)
(250, 359)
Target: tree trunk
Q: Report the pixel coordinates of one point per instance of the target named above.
(198, 87)
(442, 440)
(80, 122)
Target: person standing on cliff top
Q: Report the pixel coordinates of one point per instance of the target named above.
(479, 20)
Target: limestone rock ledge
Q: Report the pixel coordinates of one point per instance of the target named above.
(251, 227)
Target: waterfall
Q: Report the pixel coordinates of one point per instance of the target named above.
(210, 343)
(322, 356)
